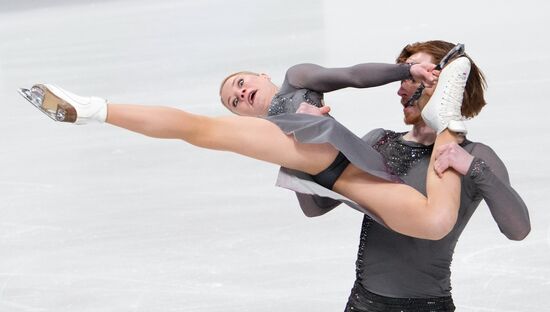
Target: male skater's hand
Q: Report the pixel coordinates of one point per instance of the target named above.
(453, 156)
(306, 108)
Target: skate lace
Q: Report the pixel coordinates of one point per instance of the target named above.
(452, 97)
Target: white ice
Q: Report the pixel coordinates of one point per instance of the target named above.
(99, 219)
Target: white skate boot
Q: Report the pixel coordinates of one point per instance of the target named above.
(443, 110)
(61, 105)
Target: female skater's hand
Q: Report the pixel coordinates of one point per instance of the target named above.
(453, 156)
(425, 73)
(306, 108)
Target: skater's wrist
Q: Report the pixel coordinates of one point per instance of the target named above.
(410, 70)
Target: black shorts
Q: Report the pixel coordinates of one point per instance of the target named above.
(328, 177)
(362, 300)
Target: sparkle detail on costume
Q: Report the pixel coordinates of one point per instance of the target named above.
(360, 262)
(309, 98)
(478, 166)
(279, 105)
(399, 158)
(289, 103)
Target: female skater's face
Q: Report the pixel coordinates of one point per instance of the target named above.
(412, 113)
(248, 94)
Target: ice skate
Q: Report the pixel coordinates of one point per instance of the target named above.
(443, 110)
(455, 52)
(64, 106)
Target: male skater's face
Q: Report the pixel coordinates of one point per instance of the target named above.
(412, 113)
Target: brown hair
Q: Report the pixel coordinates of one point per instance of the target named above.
(244, 72)
(473, 94)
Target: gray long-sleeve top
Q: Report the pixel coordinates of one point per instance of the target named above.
(395, 265)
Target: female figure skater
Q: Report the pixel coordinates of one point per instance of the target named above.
(319, 146)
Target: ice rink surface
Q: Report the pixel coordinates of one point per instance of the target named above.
(99, 219)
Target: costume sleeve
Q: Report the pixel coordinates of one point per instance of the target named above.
(491, 181)
(321, 79)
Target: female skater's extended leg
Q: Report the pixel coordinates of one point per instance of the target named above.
(402, 208)
(249, 136)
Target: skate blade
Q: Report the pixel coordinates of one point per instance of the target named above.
(456, 52)
(48, 103)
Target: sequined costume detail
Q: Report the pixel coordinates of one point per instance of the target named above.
(361, 253)
(399, 158)
(290, 102)
(478, 166)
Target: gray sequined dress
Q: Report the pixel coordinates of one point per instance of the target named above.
(307, 83)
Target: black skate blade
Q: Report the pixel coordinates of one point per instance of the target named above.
(455, 52)
(27, 94)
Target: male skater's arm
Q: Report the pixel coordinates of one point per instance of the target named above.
(491, 182)
(508, 209)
